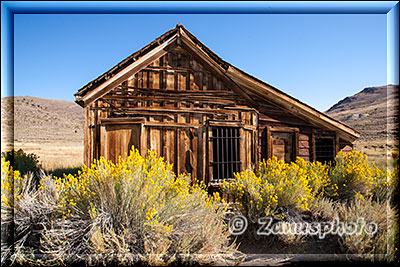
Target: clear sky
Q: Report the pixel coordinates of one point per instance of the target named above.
(318, 59)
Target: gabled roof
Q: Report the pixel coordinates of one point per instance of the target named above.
(241, 81)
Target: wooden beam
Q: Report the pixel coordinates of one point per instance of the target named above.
(313, 148)
(164, 111)
(283, 129)
(268, 142)
(209, 92)
(295, 145)
(337, 144)
(125, 120)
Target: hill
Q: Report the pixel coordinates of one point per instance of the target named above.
(53, 129)
(374, 113)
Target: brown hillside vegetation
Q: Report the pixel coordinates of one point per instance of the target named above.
(50, 128)
(374, 113)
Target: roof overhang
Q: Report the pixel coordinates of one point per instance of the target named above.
(291, 104)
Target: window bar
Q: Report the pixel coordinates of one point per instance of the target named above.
(217, 165)
(225, 154)
(237, 150)
(231, 155)
(222, 156)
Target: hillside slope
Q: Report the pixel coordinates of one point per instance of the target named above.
(374, 113)
(51, 128)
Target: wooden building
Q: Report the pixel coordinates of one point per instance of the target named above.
(203, 115)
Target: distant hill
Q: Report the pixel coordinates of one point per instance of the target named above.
(41, 119)
(374, 113)
(50, 128)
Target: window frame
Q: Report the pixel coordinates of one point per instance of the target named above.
(319, 147)
(224, 138)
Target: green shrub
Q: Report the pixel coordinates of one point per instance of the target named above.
(60, 172)
(22, 161)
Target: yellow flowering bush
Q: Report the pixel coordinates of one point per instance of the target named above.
(11, 184)
(299, 184)
(352, 176)
(276, 184)
(133, 211)
(137, 207)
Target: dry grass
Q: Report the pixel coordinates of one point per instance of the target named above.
(52, 155)
(378, 246)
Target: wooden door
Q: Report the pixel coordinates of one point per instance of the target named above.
(118, 139)
(282, 146)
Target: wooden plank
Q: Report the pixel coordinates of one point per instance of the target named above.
(95, 145)
(295, 145)
(156, 80)
(304, 144)
(170, 125)
(337, 144)
(283, 129)
(242, 153)
(198, 84)
(155, 140)
(278, 149)
(182, 81)
(192, 83)
(248, 149)
(103, 140)
(86, 137)
(313, 148)
(163, 111)
(170, 145)
(194, 152)
(125, 120)
(209, 154)
(269, 142)
(211, 92)
(177, 165)
(200, 154)
(182, 155)
(143, 140)
(220, 123)
(304, 152)
(303, 137)
(170, 80)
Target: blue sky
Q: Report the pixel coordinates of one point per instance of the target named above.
(318, 59)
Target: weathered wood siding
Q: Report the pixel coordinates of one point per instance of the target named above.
(172, 104)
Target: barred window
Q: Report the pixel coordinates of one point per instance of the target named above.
(226, 152)
(324, 149)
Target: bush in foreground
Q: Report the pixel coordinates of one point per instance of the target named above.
(348, 189)
(378, 216)
(276, 184)
(133, 211)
